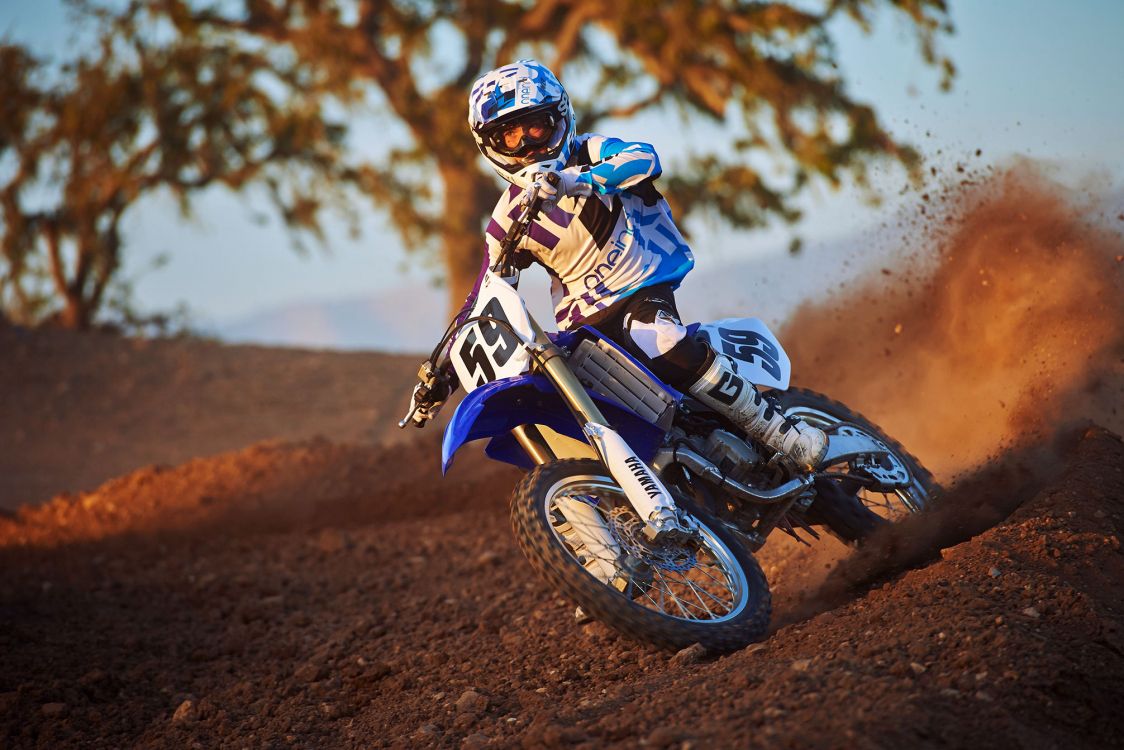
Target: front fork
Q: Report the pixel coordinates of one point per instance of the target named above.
(644, 490)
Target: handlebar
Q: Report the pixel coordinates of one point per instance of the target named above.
(504, 266)
(519, 227)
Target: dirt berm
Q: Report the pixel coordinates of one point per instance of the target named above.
(428, 630)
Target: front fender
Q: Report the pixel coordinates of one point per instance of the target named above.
(495, 409)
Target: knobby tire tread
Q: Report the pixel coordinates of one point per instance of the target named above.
(539, 545)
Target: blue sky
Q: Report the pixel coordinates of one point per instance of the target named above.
(1037, 78)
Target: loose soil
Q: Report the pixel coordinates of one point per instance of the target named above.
(425, 629)
(76, 410)
(216, 546)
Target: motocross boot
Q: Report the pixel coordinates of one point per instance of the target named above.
(722, 389)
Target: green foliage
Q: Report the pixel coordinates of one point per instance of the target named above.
(185, 95)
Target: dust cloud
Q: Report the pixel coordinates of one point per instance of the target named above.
(987, 345)
(999, 326)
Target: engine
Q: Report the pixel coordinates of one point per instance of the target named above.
(732, 455)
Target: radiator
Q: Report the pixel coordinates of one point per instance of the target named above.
(609, 373)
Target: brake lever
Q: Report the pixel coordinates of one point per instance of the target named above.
(427, 377)
(409, 418)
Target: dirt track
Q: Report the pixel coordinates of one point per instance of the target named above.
(326, 592)
(427, 630)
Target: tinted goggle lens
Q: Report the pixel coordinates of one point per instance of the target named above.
(518, 137)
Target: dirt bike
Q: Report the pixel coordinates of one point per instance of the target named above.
(640, 504)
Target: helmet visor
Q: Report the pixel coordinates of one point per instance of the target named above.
(523, 137)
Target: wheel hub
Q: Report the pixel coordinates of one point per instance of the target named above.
(883, 468)
(627, 528)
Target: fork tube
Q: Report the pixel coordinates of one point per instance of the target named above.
(573, 392)
(533, 442)
(568, 385)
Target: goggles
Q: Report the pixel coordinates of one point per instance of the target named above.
(522, 137)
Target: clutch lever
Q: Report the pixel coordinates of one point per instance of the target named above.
(409, 418)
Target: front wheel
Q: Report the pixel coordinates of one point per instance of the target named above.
(578, 530)
(856, 497)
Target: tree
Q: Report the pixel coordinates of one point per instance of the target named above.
(765, 71)
(80, 143)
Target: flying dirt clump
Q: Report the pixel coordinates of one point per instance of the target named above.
(1001, 326)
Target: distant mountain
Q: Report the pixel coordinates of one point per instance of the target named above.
(396, 320)
(411, 318)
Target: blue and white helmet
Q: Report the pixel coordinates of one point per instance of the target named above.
(522, 92)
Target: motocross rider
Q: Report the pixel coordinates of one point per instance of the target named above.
(608, 241)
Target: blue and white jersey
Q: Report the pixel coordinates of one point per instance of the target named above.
(601, 248)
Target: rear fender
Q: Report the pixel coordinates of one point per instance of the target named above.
(494, 410)
(757, 353)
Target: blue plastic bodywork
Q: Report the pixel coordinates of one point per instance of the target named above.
(495, 409)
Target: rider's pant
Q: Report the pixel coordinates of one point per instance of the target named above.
(647, 325)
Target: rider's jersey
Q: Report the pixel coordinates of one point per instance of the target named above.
(601, 248)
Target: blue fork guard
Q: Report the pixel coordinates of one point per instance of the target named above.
(495, 409)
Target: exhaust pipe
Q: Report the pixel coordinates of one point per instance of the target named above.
(707, 471)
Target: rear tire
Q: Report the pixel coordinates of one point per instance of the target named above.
(843, 506)
(720, 591)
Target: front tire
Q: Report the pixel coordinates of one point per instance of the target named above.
(712, 593)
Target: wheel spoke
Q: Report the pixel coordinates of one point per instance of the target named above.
(726, 600)
(695, 590)
(702, 590)
(710, 595)
(649, 598)
(663, 600)
(675, 598)
(704, 571)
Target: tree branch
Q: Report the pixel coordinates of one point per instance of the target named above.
(50, 231)
(110, 259)
(569, 33)
(531, 25)
(475, 45)
(391, 74)
(593, 117)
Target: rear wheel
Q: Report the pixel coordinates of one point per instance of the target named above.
(860, 495)
(577, 529)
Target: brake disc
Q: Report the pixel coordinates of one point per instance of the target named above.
(627, 528)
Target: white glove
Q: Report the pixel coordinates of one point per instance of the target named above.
(429, 396)
(425, 405)
(568, 185)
